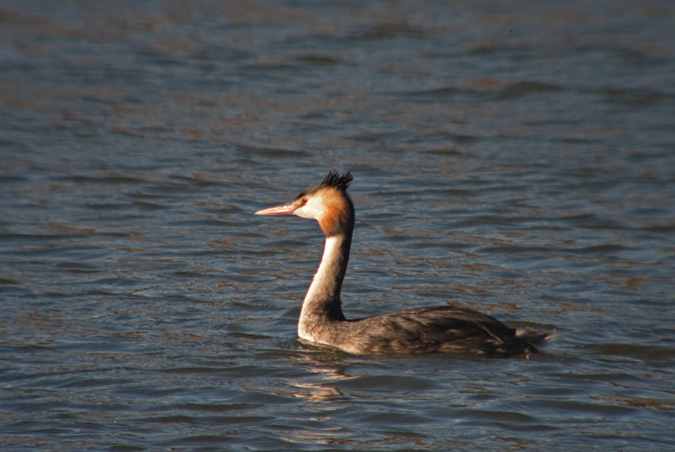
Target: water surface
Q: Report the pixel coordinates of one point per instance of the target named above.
(518, 159)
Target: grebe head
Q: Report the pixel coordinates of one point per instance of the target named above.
(328, 203)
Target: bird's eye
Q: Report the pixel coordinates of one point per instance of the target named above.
(304, 201)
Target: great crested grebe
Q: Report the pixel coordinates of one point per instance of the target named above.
(412, 331)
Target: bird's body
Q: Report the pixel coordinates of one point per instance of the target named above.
(418, 330)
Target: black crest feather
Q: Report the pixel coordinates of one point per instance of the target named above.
(337, 180)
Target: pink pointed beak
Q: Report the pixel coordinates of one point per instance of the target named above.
(284, 209)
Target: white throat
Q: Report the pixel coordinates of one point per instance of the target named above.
(322, 303)
(324, 283)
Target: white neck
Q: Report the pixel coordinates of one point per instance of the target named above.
(322, 303)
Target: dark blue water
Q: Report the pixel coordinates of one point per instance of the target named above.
(518, 158)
